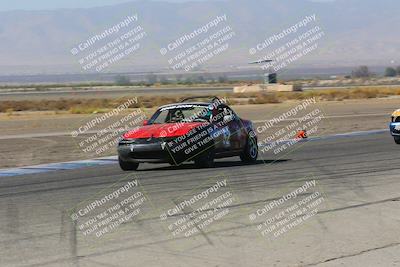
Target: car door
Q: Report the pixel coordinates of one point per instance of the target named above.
(229, 137)
(236, 129)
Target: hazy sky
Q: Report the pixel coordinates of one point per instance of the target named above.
(55, 4)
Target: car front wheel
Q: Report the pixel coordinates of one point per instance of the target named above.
(250, 152)
(397, 139)
(128, 166)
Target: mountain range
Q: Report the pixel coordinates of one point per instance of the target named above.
(356, 32)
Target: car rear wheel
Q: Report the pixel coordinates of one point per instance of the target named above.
(397, 139)
(128, 166)
(250, 152)
(205, 160)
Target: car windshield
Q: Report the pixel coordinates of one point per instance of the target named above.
(184, 113)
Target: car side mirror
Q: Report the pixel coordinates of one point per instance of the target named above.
(145, 122)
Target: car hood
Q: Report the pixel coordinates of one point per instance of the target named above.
(396, 113)
(161, 130)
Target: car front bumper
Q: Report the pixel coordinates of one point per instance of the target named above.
(395, 128)
(140, 153)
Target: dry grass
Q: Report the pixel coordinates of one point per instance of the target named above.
(81, 106)
(323, 95)
(73, 105)
(85, 106)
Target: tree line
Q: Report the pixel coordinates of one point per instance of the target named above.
(364, 72)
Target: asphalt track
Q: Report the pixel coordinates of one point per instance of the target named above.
(357, 223)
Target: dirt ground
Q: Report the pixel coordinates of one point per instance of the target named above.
(32, 138)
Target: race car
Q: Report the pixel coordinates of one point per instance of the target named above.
(395, 126)
(198, 131)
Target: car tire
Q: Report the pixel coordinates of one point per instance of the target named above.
(397, 139)
(128, 166)
(250, 153)
(205, 160)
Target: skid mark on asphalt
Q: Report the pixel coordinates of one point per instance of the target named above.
(352, 255)
(165, 241)
(353, 185)
(259, 177)
(275, 181)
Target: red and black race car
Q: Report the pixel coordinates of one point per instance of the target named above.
(189, 131)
